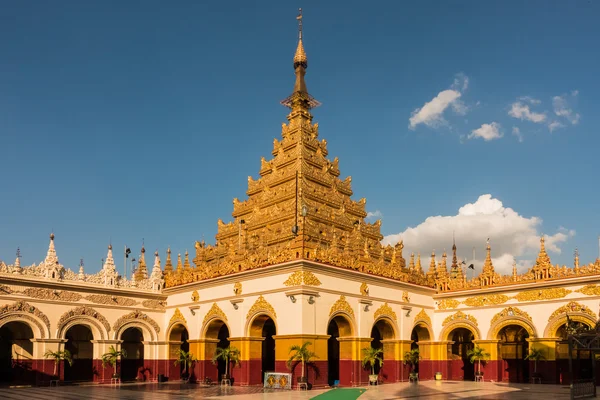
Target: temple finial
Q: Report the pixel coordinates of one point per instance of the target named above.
(299, 18)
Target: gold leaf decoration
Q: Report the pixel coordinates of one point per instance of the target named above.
(459, 315)
(237, 288)
(341, 305)
(261, 305)
(486, 300)
(302, 278)
(447, 304)
(177, 317)
(386, 310)
(195, 296)
(364, 289)
(542, 294)
(511, 312)
(405, 297)
(572, 307)
(214, 312)
(422, 315)
(590, 290)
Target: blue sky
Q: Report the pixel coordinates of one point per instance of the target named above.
(142, 119)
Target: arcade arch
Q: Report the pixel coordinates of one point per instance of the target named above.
(79, 343)
(16, 352)
(133, 362)
(340, 325)
(263, 325)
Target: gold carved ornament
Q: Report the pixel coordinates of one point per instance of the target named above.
(214, 312)
(177, 317)
(261, 305)
(405, 297)
(422, 315)
(19, 307)
(542, 294)
(509, 312)
(385, 310)
(195, 296)
(302, 278)
(84, 311)
(364, 289)
(486, 300)
(590, 290)
(446, 304)
(341, 305)
(237, 288)
(571, 307)
(459, 315)
(133, 316)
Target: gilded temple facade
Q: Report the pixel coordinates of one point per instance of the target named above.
(297, 263)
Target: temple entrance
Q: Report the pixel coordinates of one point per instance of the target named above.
(16, 353)
(179, 342)
(134, 361)
(79, 344)
(461, 367)
(382, 330)
(582, 366)
(223, 337)
(419, 333)
(268, 347)
(218, 333)
(377, 344)
(513, 350)
(338, 327)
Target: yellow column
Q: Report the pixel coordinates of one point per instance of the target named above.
(434, 351)
(549, 347)
(490, 346)
(284, 342)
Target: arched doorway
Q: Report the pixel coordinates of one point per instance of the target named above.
(420, 333)
(461, 367)
(377, 344)
(79, 344)
(178, 341)
(513, 350)
(264, 326)
(382, 335)
(16, 353)
(582, 365)
(132, 344)
(339, 326)
(217, 335)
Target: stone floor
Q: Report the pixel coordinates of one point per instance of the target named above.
(424, 390)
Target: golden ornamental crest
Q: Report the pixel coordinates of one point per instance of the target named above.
(261, 305)
(422, 315)
(385, 310)
(510, 312)
(341, 305)
(572, 307)
(302, 278)
(459, 315)
(214, 312)
(177, 317)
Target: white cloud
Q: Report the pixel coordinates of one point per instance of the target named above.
(517, 132)
(530, 100)
(554, 125)
(523, 112)
(562, 108)
(432, 112)
(487, 132)
(374, 214)
(511, 235)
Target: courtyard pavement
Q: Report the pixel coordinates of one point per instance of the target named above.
(424, 390)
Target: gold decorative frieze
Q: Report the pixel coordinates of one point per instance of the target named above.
(261, 305)
(422, 315)
(590, 290)
(84, 311)
(572, 307)
(21, 307)
(486, 300)
(49, 294)
(154, 304)
(177, 317)
(509, 312)
(341, 305)
(106, 299)
(135, 315)
(385, 311)
(447, 304)
(302, 278)
(405, 297)
(4, 289)
(214, 312)
(542, 294)
(364, 289)
(237, 288)
(195, 296)
(459, 315)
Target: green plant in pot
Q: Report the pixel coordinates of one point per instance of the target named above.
(111, 357)
(229, 355)
(59, 356)
(301, 354)
(372, 357)
(478, 354)
(535, 355)
(411, 358)
(187, 359)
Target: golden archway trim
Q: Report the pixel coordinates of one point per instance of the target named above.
(82, 313)
(214, 312)
(341, 305)
(445, 335)
(459, 315)
(136, 315)
(261, 305)
(572, 307)
(422, 316)
(177, 317)
(552, 327)
(20, 307)
(510, 312)
(511, 316)
(385, 311)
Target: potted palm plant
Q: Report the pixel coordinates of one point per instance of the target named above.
(411, 358)
(535, 355)
(372, 357)
(301, 355)
(59, 356)
(478, 354)
(111, 358)
(187, 359)
(229, 355)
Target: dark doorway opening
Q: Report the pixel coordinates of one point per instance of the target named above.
(79, 344)
(134, 361)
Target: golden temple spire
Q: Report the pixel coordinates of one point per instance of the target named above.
(432, 264)
(411, 263)
(168, 263)
(418, 266)
(179, 266)
(514, 271)
(487, 265)
(576, 261)
(186, 263)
